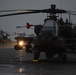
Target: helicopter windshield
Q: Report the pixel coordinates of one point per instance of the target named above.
(50, 26)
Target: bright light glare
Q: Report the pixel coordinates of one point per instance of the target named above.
(21, 43)
(21, 70)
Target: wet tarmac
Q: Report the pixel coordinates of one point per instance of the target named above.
(14, 62)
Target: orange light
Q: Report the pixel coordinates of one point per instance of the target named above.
(21, 43)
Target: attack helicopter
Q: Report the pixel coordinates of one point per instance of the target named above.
(54, 37)
(4, 36)
(22, 40)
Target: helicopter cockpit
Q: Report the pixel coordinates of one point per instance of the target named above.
(50, 26)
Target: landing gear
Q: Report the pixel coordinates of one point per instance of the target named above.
(36, 54)
(60, 55)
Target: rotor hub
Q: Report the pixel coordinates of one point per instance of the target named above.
(53, 6)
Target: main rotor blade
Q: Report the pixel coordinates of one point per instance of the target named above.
(70, 13)
(51, 11)
(20, 13)
(19, 10)
(35, 11)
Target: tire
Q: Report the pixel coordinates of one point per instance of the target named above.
(16, 47)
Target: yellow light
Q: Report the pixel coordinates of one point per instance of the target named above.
(21, 43)
(35, 60)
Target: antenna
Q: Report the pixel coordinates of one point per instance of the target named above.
(61, 8)
(69, 16)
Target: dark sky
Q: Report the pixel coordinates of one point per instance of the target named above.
(9, 23)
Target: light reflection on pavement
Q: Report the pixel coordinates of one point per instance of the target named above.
(20, 63)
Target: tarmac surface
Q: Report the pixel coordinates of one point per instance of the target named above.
(14, 62)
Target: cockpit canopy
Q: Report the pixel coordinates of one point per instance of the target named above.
(50, 26)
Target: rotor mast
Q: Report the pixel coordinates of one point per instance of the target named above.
(52, 15)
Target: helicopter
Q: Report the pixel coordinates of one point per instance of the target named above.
(54, 37)
(22, 40)
(4, 36)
